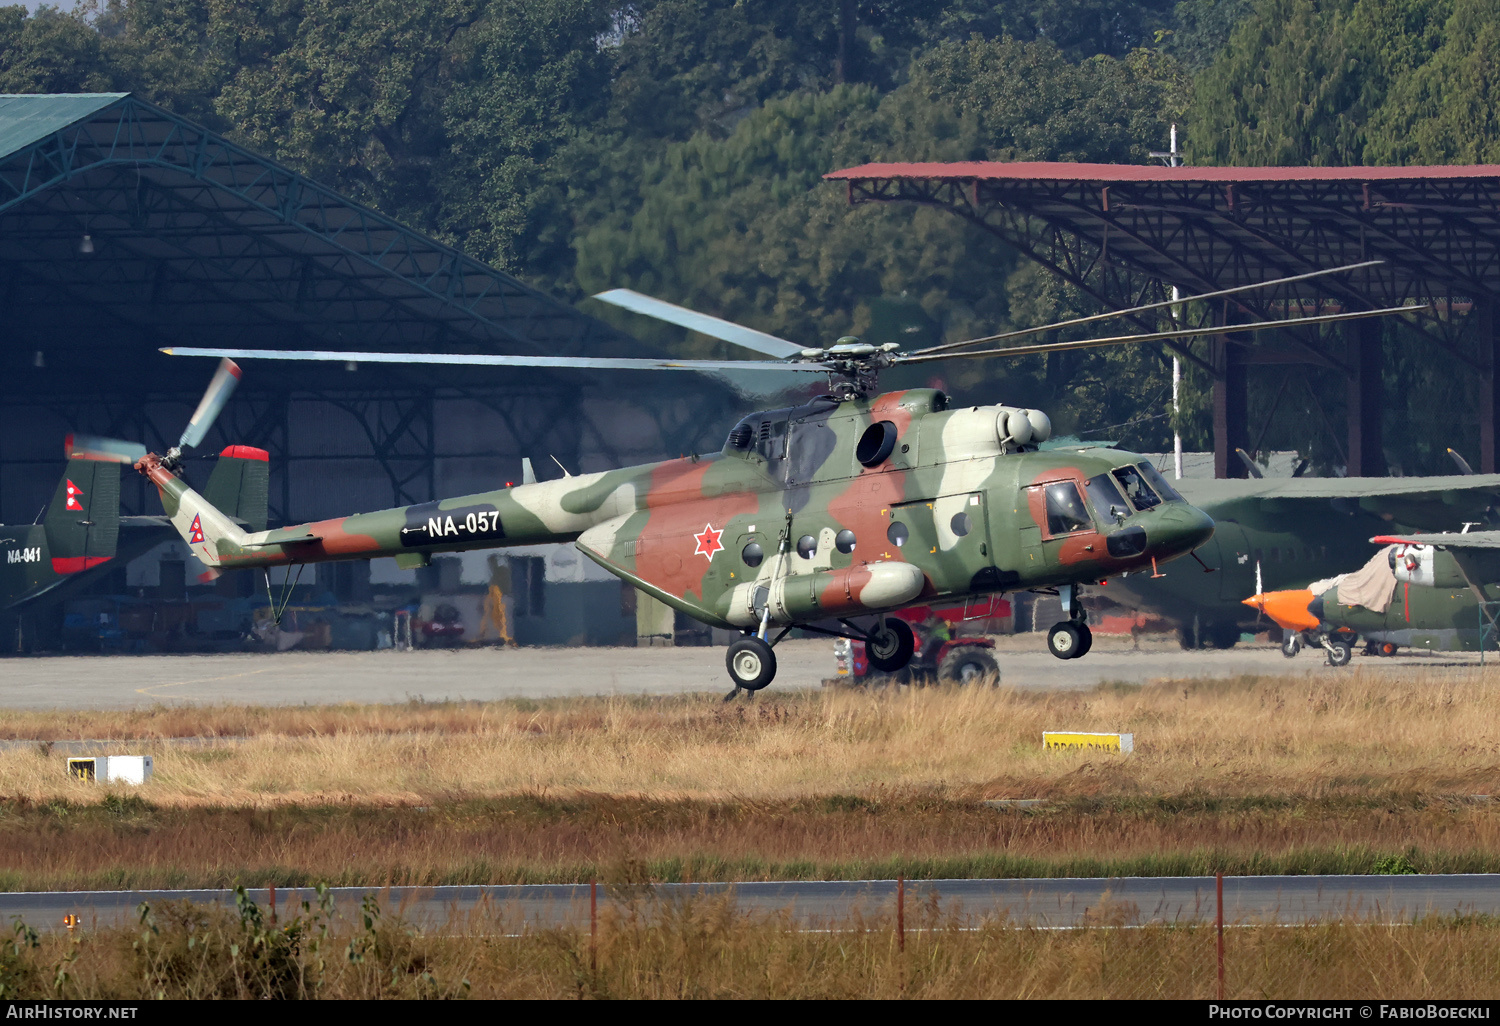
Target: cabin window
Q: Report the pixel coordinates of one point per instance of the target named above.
(961, 524)
(898, 533)
(807, 546)
(1066, 512)
(752, 554)
(1136, 488)
(844, 541)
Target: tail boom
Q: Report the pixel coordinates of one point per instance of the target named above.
(528, 514)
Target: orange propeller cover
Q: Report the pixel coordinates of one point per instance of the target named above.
(1287, 608)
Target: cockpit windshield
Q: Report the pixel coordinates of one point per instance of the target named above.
(1109, 504)
(1137, 490)
(1154, 478)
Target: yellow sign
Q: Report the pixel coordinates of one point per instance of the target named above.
(1065, 740)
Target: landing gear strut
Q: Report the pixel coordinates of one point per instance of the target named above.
(1071, 638)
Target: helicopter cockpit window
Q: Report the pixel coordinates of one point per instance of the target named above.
(1108, 502)
(1136, 488)
(1066, 512)
(1155, 480)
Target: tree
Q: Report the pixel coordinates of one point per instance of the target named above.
(50, 52)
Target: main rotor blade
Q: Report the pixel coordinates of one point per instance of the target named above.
(106, 450)
(704, 324)
(506, 360)
(225, 379)
(1110, 315)
(1222, 329)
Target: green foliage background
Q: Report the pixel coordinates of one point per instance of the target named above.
(676, 147)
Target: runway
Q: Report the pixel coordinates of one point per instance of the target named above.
(296, 678)
(1041, 903)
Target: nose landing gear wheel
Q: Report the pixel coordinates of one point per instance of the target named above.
(890, 645)
(1291, 645)
(751, 662)
(1339, 653)
(1085, 639)
(1065, 640)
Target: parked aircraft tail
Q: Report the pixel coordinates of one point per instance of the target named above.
(82, 524)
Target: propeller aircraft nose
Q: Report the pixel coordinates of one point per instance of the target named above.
(1288, 609)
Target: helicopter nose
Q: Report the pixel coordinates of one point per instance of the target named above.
(1182, 528)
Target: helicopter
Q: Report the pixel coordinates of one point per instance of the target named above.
(853, 504)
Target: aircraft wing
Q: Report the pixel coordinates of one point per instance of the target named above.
(1417, 502)
(1445, 540)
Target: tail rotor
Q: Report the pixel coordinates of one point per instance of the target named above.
(115, 450)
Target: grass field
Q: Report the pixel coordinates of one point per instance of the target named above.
(524, 839)
(1338, 735)
(1260, 775)
(707, 949)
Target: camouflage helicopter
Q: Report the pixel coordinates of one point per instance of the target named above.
(854, 504)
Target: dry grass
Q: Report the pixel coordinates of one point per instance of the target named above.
(1267, 775)
(1348, 734)
(522, 839)
(707, 949)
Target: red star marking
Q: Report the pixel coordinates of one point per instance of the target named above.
(708, 542)
(73, 493)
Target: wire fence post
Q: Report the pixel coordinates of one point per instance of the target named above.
(272, 902)
(1219, 921)
(901, 912)
(594, 926)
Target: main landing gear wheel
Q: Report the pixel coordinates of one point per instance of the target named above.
(1069, 640)
(890, 645)
(1339, 653)
(751, 662)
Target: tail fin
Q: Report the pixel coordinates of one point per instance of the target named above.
(202, 525)
(240, 485)
(83, 523)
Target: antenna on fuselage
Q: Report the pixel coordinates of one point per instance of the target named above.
(561, 467)
(528, 472)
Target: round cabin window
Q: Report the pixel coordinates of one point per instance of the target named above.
(961, 524)
(844, 541)
(898, 534)
(807, 546)
(752, 554)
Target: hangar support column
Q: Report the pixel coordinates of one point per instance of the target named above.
(1489, 383)
(1366, 452)
(1231, 407)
